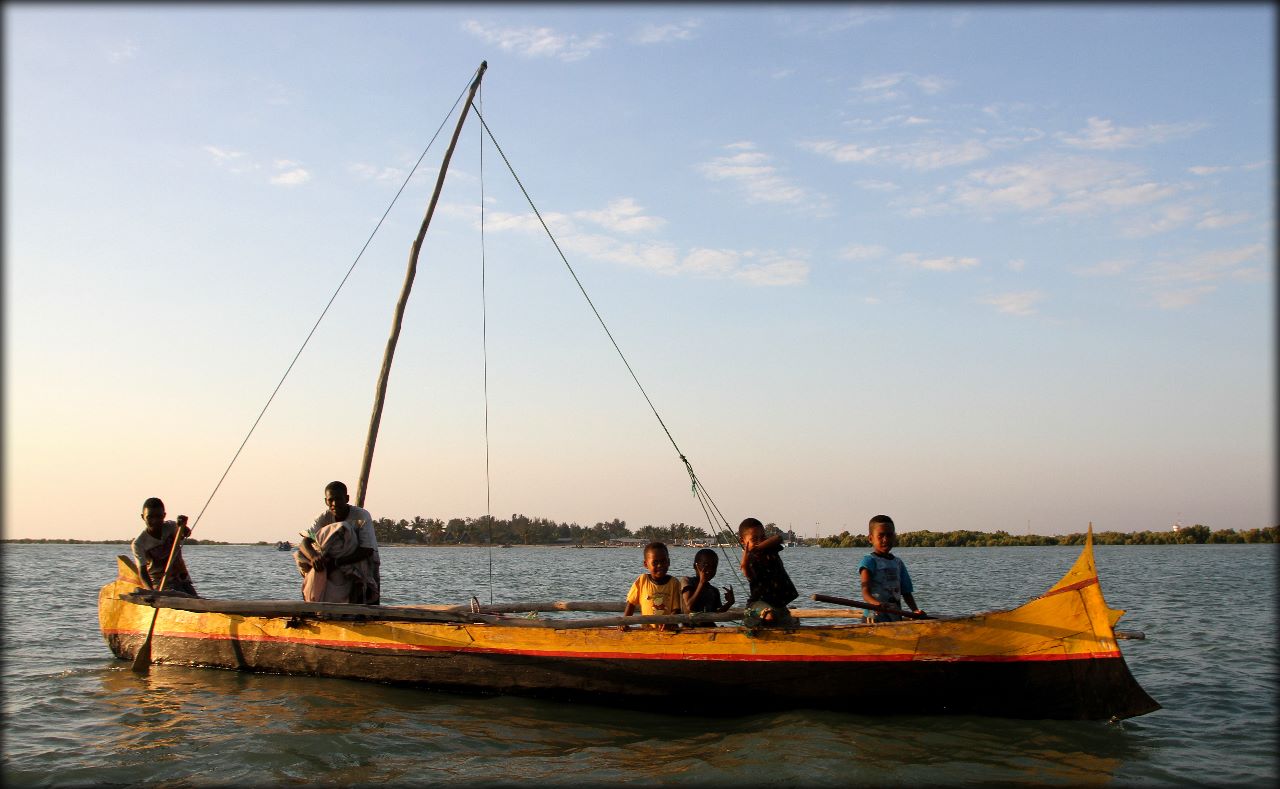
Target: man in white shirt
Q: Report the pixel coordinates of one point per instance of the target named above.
(362, 567)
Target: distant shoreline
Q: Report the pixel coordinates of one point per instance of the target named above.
(272, 546)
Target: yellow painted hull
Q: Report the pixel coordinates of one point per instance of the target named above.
(1054, 657)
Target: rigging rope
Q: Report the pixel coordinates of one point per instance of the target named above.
(704, 498)
(484, 344)
(332, 298)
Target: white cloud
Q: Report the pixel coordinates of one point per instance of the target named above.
(1209, 170)
(1204, 266)
(292, 174)
(895, 86)
(1169, 217)
(949, 263)
(759, 179)
(236, 162)
(861, 252)
(711, 262)
(1017, 264)
(1106, 268)
(1020, 303)
(624, 216)
(1062, 185)
(126, 50)
(1100, 134)
(661, 34)
(918, 155)
(1216, 220)
(773, 270)
(875, 185)
(372, 173)
(536, 42)
(1177, 299)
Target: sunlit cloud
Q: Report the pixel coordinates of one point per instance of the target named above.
(661, 34)
(895, 86)
(753, 172)
(232, 161)
(1209, 170)
(823, 25)
(1185, 297)
(535, 42)
(371, 172)
(126, 50)
(291, 173)
(1216, 220)
(1020, 303)
(1063, 185)
(861, 252)
(876, 185)
(624, 216)
(1100, 134)
(918, 155)
(949, 263)
(1163, 220)
(1179, 282)
(1105, 268)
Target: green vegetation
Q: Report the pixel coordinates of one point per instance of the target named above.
(1190, 535)
(523, 530)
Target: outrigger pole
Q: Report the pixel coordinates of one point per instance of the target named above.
(381, 393)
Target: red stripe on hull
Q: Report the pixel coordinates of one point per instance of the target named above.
(724, 657)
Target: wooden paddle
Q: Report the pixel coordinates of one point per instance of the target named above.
(142, 660)
(886, 609)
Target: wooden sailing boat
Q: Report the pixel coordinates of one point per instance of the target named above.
(1053, 657)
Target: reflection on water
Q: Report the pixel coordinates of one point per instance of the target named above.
(75, 715)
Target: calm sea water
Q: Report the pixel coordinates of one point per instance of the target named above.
(74, 715)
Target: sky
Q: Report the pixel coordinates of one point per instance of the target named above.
(991, 267)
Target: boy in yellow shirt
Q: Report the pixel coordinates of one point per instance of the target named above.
(655, 592)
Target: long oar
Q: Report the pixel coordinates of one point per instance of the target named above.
(142, 660)
(885, 609)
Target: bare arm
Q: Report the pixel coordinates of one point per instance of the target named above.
(769, 543)
(359, 554)
(627, 610)
(911, 603)
(691, 593)
(865, 575)
(728, 600)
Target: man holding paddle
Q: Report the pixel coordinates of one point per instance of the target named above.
(152, 548)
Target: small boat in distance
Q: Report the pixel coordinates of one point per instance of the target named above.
(284, 545)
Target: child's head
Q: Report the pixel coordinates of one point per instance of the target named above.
(656, 560)
(706, 561)
(153, 513)
(750, 532)
(882, 534)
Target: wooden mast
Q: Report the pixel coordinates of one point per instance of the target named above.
(381, 393)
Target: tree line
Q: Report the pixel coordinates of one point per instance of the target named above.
(523, 530)
(1190, 535)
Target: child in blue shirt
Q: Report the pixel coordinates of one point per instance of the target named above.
(884, 576)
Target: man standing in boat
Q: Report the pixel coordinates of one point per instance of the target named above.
(359, 567)
(153, 547)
